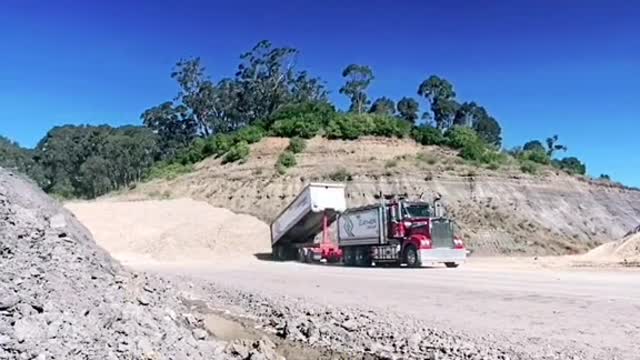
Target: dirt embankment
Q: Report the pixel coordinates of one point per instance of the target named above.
(625, 251)
(181, 230)
(501, 212)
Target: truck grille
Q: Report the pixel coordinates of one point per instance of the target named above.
(442, 234)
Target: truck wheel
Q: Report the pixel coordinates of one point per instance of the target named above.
(302, 256)
(349, 256)
(451, 264)
(282, 253)
(411, 256)
(362, 257)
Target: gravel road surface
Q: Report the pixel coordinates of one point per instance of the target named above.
(533, 310)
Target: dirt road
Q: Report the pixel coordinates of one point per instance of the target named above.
(533, 310)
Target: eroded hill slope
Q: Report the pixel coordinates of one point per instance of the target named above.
(500, 211)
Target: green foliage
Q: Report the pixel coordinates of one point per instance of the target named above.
(408, 109)
(383, 106)
(553, 146)
(533, 145)
(88, 161)
(249, 134)
(341, 175)
(16, 158)
(571, 165)
(358, 79)
(286, 159)
(168, 171)
(353, 126)
(441, 96)
(529, 167)
(305, 126)
(220, 144)
(297, 145)
(238, 152)
(428, 135)
(304, 120)
(604, 177)
(537, 156)
(458, 137)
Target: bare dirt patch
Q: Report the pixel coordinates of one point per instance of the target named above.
(179, 230)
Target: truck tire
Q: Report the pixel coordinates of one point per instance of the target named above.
(451, 264)
(281, 253)
(302, 255)
(411, 256)
(349, 256)
(362, 256)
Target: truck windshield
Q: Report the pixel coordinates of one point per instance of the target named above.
(418, 211)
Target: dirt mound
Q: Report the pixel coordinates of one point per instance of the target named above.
(62, 297)
(179, 230)
(626, 249)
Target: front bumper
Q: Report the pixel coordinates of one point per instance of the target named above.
(442, 255)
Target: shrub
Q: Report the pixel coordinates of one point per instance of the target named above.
(221, 143)
(287, 159)
(297, 145)
(529, 167)
(237, 152)
(389, 126)
(428, 135)
(304, 125)
(349, 127)
(391, 163)
(571, 165)
(320, 112)
(537, 156)
(168, 171)
(459, 137)
(249, 134)
(341, 175)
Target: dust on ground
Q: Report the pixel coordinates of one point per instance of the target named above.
(180, 230)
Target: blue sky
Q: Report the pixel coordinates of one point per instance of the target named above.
(544, 67)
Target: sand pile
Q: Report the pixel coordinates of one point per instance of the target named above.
(626, 249)
(179, 230)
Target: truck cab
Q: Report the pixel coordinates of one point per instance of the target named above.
(424, 234)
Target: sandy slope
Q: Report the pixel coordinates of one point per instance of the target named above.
(179, 230)
(626, 249)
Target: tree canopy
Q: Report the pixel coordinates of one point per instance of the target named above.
(267, 95)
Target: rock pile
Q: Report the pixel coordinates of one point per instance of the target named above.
(62, 297)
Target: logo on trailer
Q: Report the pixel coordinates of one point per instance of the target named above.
(348, 226)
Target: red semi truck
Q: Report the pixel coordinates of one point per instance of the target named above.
(393, 231)
(397, 231)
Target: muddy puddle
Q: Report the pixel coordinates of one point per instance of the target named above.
(225, 327)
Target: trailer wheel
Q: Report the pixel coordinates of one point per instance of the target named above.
(349, 256)
(362, 257)
(451, 264)
(411, 256)
(281, 253)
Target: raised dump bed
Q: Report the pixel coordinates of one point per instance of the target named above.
(298, 224)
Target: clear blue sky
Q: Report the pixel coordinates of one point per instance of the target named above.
(540, 67)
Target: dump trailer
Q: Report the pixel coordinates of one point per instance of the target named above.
(398, 231)
(294, 230)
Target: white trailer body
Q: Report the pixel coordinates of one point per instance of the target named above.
(362, 226)
(302, 220)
